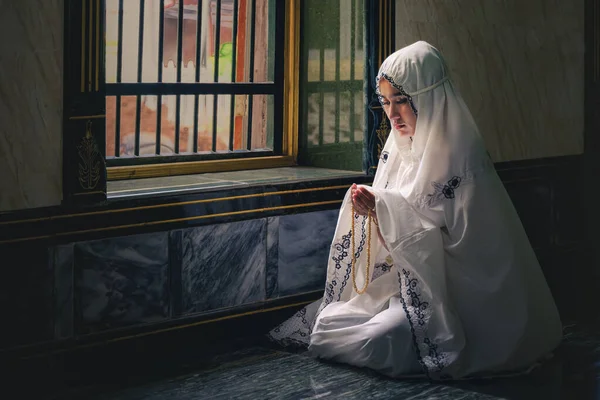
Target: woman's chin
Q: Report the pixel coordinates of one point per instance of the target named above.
(403, 132)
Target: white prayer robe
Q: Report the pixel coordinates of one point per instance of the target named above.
(457, 289)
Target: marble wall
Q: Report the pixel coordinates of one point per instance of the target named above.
(518, 64)
(101, 285)
(121, 281)
(31, 56)
(304, 242)
(223, 265)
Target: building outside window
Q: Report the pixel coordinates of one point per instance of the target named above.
(204, 80)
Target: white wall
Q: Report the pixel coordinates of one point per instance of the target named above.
(518, 64)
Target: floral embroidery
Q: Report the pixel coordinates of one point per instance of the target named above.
(342, 250)
(418, 313)
(384, 156)
(345, 280)
(300, 337)
(410, 321)
(380, 269)
(302, 315)
(434, 358)
(444, 191)
(301, 333)
(397, 86)
(385, 267)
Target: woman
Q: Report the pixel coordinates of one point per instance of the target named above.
(455, 290)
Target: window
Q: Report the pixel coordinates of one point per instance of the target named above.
(195, 80)
(208, 85)
(331, 83)
(172, 87)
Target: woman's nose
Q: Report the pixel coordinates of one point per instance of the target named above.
(393, 113)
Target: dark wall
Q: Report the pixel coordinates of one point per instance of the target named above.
(70, 289)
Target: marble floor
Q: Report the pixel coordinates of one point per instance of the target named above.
(261, 371)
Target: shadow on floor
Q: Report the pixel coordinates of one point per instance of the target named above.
(261, 371)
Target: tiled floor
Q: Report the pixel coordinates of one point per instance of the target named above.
(264, 372)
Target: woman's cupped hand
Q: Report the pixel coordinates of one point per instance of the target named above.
(363, 200)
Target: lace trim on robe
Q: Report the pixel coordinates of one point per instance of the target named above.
(418, 313)
(342, 250)
(398, 87)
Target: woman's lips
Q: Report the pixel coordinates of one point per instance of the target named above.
(399, 126)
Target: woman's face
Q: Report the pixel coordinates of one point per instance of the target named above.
(398, 109)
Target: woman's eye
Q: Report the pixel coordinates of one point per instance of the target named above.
(401, 100)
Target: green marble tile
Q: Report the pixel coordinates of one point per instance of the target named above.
(162, 185)
(158, 183)
(147, 191)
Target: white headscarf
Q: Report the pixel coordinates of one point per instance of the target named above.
(446, 143)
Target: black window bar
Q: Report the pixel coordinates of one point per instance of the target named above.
(119, 73)
(161, 39)
(196, 89)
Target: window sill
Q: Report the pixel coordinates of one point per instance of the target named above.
(151, 205)
(187, 184)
